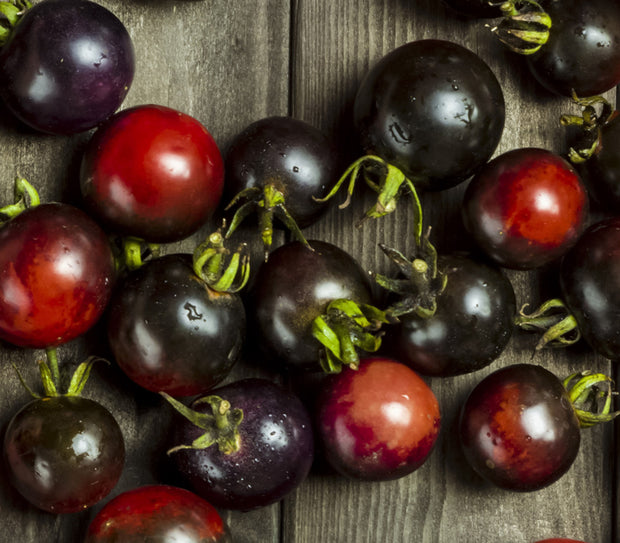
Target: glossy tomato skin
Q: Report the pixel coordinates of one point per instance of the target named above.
(152, 172)
(518, 428)
(590, 281)
(583, 49)
(64, 453)
(525, 208)
(295, 157)
(169, 332)
(67, 66)
(57, 273)
(294, 287)
(155, 513)
(470, 328)
(275, 455)
(379, 422)
(433, 109)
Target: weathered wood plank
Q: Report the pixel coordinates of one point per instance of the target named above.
(443, 501)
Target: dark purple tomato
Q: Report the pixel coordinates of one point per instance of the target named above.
(470, 328)
(158, 513)
(276, 448)
(64, 453)
(152, 172)
(582, 53)
(475, 8)
(292, 156)
(433, 109)
(590, 280)
(169, 331)
(67, 66)
(601, 170)
(379, 422)
(294, 287)
(519, 429)
(525, 208)
(56, 275)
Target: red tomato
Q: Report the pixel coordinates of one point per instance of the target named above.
(158, 513)
(56, 275)
(526, 208)
(152, 172)
(379, 422)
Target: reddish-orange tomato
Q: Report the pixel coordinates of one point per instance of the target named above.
(379, 422)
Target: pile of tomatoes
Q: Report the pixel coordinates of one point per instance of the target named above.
(429, 116)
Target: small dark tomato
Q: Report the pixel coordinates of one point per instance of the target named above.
(292, 156)
(526, 208)
(67, 66)
(152, 172)
(169, 331)
(433, 109)
(475, 8)
(582, 53)
(64, 453)
(518, 428)
(56, 275)
(294, 287)
(590, 280)
(158, 513)
(470, 328)
(276, 448)
(379, 422)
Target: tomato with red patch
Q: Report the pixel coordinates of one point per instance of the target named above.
(152, 172)
(379, 422)
(56, 275)
(518, 428)
(155, 513)
(526, 208)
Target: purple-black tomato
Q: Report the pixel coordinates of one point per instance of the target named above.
(525, 208)
(470, 327)
(379, 422)
(433, 109)
(157, 513)
(518, 428)
(169, 331)
(64, 453)
(276, 448)
(294, 287)
(56, 275)
(152, 172)
(67, 66)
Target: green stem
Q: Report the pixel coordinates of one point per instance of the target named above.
(555, 320)
(591, 395)
(525, 26)
(52, 361)
(25, 196)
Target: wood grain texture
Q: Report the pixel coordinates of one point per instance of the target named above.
(228, 64)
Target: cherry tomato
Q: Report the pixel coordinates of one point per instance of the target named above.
(582, 54)
(294, 287)
(433, 109)
(274, 453)
(56, 275)
(169, 331)
(379, 422)
(64, 453)
(152, 172)
(67, 66)
(291, 155)
(469, 329)
(158, 513)
(590, 281)
(525, 208)
(519, 429)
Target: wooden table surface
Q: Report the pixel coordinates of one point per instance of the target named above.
(229, 63)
